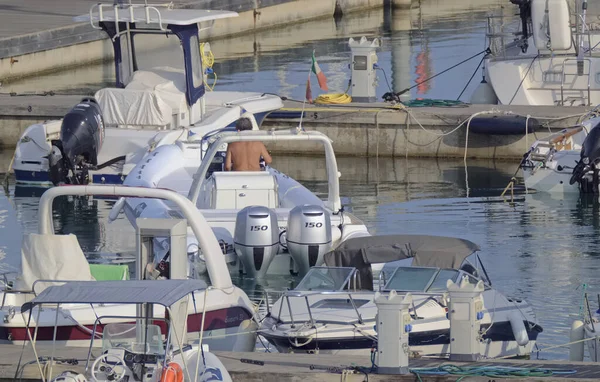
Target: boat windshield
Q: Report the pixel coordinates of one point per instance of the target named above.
(326, 279)
(416, 279)
(122, 335)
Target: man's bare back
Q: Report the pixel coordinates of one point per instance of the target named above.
(245, 156)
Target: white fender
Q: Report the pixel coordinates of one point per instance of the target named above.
(576, 350)
(245, 340)
(518, 328)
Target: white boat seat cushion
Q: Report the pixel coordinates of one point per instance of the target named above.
(51, 257)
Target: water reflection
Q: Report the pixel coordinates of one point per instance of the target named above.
(538, 247)
(416, 44)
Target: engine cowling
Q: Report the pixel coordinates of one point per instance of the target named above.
(81, 136)
(308, 236)
(256, 239)
(586, 170)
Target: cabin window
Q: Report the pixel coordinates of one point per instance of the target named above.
(197, 75)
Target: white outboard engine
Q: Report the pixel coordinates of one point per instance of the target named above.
(308, 236)
(256, 239)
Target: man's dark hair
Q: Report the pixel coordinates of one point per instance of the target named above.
(243, 124)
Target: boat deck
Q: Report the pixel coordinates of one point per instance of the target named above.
(294, 367)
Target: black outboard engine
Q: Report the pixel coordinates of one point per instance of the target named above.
(81, 136)
(586, 171)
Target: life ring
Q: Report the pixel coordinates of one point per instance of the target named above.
(172, 373)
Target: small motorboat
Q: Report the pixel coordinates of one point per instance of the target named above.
(267, 222)
(140, 349)
(46, 257)
(563, 162)
(332, 310)
(103, 137)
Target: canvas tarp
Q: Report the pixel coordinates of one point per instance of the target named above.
(167, 83)
(427, 251)
(51, 257)
(135, 108)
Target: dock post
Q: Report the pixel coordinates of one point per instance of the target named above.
(393, 326)
(465, 314)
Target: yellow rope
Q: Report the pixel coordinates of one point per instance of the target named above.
(333, 98)
(208, 60)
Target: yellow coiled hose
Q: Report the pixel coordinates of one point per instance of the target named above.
(208, 59)
(333, 98)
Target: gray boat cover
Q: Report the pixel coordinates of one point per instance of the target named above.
(161, 292)
(427, 251)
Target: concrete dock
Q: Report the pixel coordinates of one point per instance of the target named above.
(278, 367)
(369, 130)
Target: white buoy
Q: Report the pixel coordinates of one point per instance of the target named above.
(518, 328)
(484, 94)
(577, 334)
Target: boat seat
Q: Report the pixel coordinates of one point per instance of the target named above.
(239, 189)
(132, 108)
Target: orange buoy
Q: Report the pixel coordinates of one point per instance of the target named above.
(173, 373)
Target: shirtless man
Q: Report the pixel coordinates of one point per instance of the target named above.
(245, 156)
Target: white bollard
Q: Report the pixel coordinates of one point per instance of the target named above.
(465, 314)
(393, 326)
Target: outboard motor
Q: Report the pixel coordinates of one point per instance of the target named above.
(308, 236)
(256, 239)
(587, 169)
(81, 136)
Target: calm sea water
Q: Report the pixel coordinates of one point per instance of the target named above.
(535, 247)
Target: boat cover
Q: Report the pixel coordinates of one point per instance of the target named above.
(128, 107)
(426, 251)
(161, 292)
(51, 257)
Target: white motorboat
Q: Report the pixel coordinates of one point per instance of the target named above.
(143, 349)
(249, 212)
(103, 137)
(332, 310)
(553, 59)
(564, 162)
(47, 257)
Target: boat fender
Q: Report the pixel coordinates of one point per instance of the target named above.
(503, 125)
(577, 334)
(245, 340)
(518, 328)
(172, 373)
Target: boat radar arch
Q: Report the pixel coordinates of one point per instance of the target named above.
(216, 265)
(333, 201)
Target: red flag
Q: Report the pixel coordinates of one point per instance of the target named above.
(316, 69)
(308, 91)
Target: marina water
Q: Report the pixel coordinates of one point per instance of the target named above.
(535, 247)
